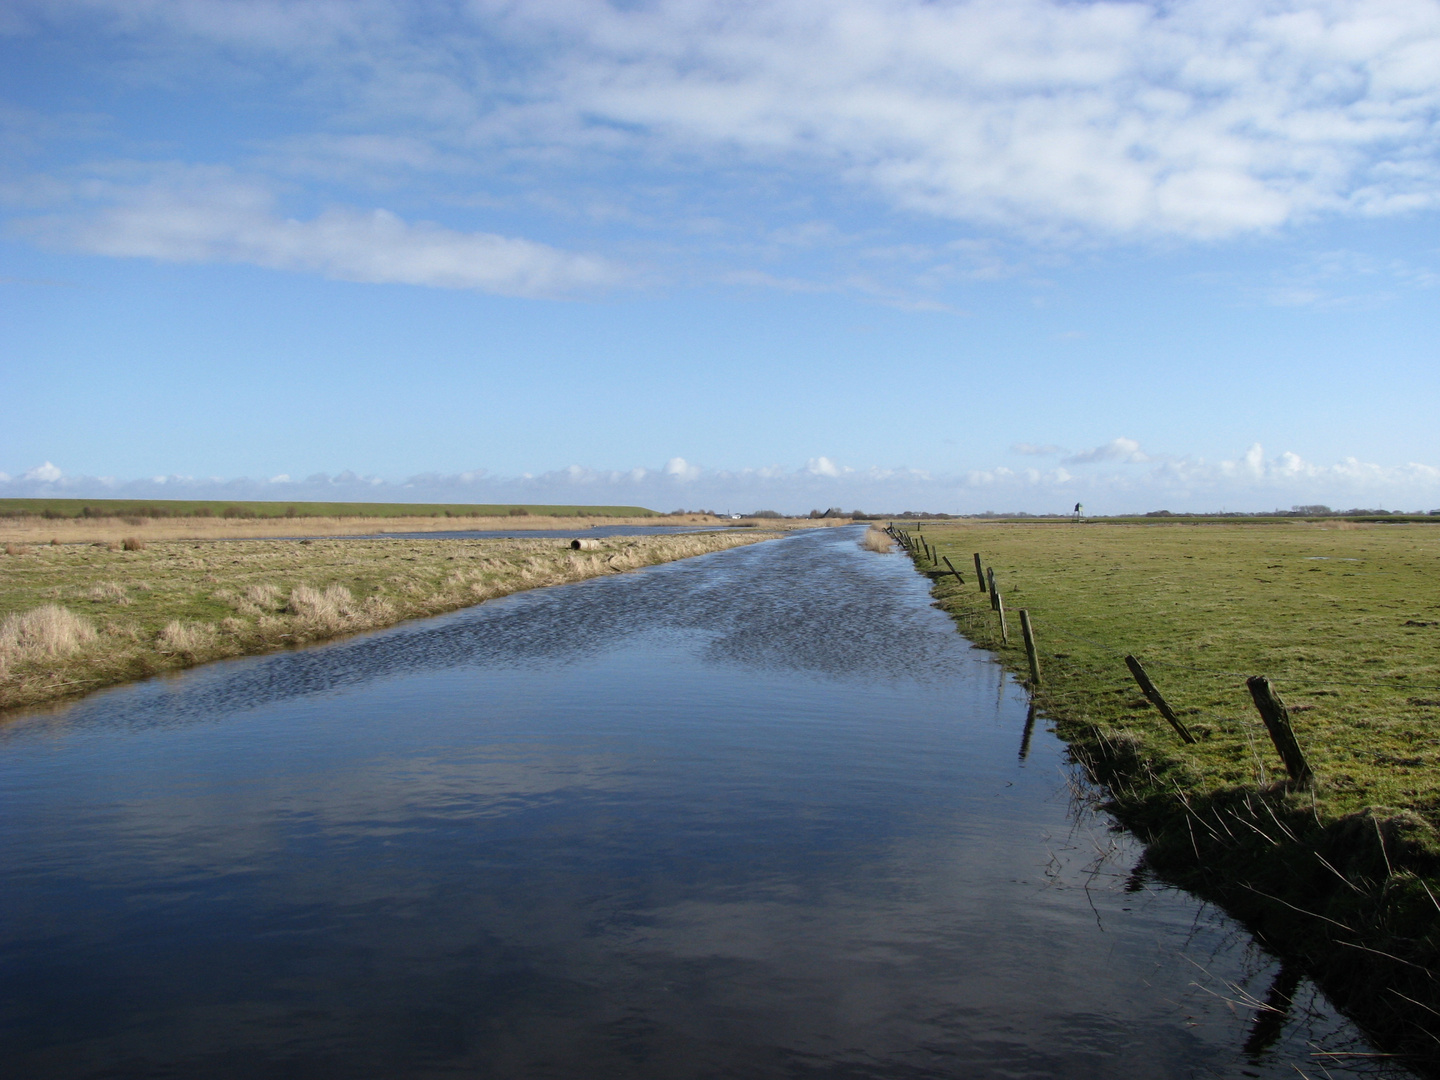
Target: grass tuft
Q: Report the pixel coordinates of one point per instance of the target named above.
(877, 539)
(46, 632)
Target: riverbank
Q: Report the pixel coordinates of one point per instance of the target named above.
(1343, 872)
(34, 530)
(74, 618)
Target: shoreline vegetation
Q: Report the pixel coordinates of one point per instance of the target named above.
(33, 529)
(76, 617)
(1339, 875)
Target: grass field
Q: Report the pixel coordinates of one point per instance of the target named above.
(77, 617)
(159, 508)
(1344, 619)
(69, 530)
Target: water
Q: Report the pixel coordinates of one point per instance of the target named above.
(757, 814)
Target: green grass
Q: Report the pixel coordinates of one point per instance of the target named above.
(215, 508)
(1344, 620)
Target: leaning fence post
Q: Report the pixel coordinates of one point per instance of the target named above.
(1277, 723)
(1029, 632)
(1148, 689)
(952, 569)
(1000, 610)
(990, 573)
(979, 572)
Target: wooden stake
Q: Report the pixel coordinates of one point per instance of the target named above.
(953, 570)
(979, 573)
(1029, 632)
(1277, 722)
(990, 573)
(1000, 610)
(1148, 689)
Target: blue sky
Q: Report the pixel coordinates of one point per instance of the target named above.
(880, 254)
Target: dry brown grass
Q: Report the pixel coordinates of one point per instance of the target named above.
(108, 530)
(42, 634)
(179, 603)
(877, 539)
(37, 530)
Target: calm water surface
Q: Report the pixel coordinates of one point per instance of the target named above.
(756, 814)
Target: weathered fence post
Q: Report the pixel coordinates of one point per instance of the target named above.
(1148, 689)
(1029, 632)
(953, 570)
(979, 572)
(1277, 722)
(1000, 610)
(990, 574)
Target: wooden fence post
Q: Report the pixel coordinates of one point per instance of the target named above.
(1148, 689)
(1277, 722)
(979, 573)
(990, 573)
(1000, 610)
(953, 570)
(1029, 632)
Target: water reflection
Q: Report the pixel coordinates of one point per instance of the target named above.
(756, 814)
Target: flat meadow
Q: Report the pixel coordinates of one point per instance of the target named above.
(1343, 618)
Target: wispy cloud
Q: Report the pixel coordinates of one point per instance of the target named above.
(1121, 449)
(211, 215)
(1037, 450)
(1197, 119)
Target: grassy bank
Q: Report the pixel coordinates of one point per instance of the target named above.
(203, 508)
(91, 529)
(1344, 619)
(32, 530)
(74, 618)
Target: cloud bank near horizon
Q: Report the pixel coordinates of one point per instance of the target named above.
(1114, 477)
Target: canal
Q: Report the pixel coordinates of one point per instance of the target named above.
(761, 813)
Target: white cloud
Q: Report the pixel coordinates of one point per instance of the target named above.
(45, 474)
(210, 215)
(1198, 118)
(680, 469)
(1121, 450)
(1195, 118)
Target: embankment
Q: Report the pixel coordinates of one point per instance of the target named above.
(1341, 874)
(74, 618)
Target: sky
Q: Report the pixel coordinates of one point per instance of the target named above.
(877, 254)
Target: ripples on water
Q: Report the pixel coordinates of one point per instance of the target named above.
(755, 814)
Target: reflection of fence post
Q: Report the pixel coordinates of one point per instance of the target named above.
(1277, 722)
(1028, 631)
(953, 570)
(1148, 689)
(1000, 610)
(979, 572)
